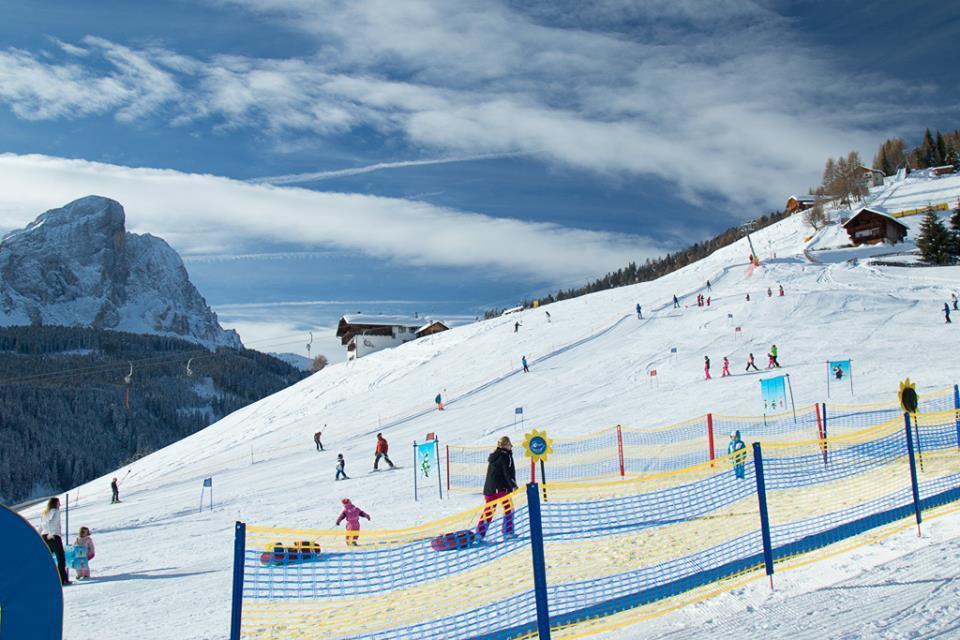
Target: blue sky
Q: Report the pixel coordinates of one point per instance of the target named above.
(310, 158)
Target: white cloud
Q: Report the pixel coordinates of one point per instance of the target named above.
(718, 98)
(197, 212)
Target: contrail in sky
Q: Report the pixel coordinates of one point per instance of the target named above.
(294, 178)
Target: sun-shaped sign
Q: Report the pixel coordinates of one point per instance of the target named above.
(537, 445)
(909, 401)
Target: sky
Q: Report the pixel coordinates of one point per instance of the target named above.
(309, 158)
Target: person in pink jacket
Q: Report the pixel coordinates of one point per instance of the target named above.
(81, 560)
(352, 514)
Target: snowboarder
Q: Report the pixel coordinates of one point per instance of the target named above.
(50, 531)
(639, 312)
(838, 372)
(946, 312)
(115, 489)
(748, 297)
(81, 560)
(751, 363)
(341, 465)
(316, 439)
(709, 288)
(769, 292)
(781, 290)
(676, 302)
(523, 360)
(501, 480)
(516, 326)
(726, 368)
(773, 357)
(352, 514)
(737, 459)
(706, 367)
(381, 452)
(439, 402)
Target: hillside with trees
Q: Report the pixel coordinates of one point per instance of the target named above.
(69, 414)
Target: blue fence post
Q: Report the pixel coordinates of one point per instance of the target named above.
(956, 409)
(764, 514)
(913, 471)
(239, 554)
(539, 562)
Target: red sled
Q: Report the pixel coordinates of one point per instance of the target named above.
(455, 540)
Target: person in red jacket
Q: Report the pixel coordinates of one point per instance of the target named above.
(381, 452)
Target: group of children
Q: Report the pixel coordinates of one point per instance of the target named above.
(772, 363)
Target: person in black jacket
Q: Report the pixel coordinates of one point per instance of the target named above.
(500, 482)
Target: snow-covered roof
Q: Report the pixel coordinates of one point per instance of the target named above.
(384, 321)
(430, 324)
(805, 198)
(880, 211)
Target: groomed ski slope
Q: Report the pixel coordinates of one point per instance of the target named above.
(164, 570)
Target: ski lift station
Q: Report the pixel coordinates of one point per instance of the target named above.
(364, 334)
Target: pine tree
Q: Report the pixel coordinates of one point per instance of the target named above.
(955, 232)
(941, 150)
(934, 240)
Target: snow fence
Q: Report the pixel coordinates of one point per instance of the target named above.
(624, 451)
(569, 560)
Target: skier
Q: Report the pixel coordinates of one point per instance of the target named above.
(316, 439)
(81, 561)
(676, 302)
(523, 360)
(733, 449)
(769, 292)
(115, 489)
(773, 357)
(751, 363)
(341, 465)
(352, 514)
(50, 531)
(516, 326)
(706, 367)
(748, 297)
(439, 402)
(954, 295)
(709, 288)
(781, 290)
(548, 315)
(639, 312)
(708, 301)
(501, 480)
(726, 368)
(381, 452)
(946, 312)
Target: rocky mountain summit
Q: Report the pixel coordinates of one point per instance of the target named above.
(78, 266)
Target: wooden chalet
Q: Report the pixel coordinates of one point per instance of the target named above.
(871, 177)
(943, 170)
(801, 203)
(431, 328)
(872, 226)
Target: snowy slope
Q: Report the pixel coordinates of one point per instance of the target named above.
(159, 561)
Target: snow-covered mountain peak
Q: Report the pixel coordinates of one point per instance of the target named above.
(77, 265)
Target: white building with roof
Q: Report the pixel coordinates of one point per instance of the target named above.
(364, 333)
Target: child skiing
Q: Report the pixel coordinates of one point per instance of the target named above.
(751, 363)
(726, 368)
(341, 464)
(946, 313)
(381, 452)
(83, 553)
(316, 439)
(733, 449)
(439, 401)
(708, 301)
(352, 514)
(706, 367)
(773, 357)
(781, 290)
(769, 292)
(523, 360)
